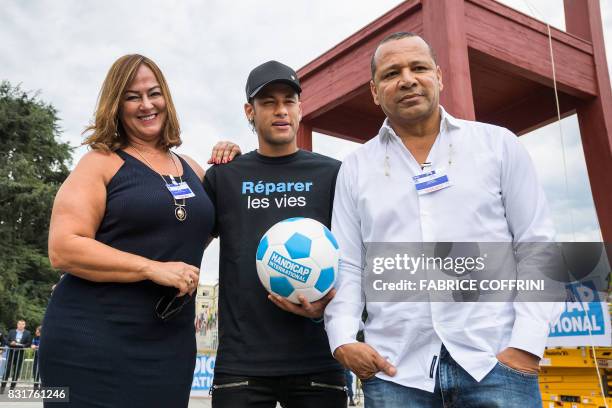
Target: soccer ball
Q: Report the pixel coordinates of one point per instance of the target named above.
(298, 256)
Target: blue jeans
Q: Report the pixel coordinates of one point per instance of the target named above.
(503, 387)
(349, 382)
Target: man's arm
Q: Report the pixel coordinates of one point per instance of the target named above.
(529, 220)
(210, 186)
(27, 341)
(343, 313)
(12, 337)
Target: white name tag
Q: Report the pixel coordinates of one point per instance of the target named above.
(431, 181)
(180, 190)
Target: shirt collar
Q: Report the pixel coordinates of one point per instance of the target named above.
(447, 121)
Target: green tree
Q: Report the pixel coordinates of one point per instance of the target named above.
(33, 164)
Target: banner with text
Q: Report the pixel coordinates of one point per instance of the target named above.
(585, 321)
(203, 374)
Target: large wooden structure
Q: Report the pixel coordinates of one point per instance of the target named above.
(496, 67)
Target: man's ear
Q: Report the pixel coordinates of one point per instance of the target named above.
(249, 111)
(439, 75)
(374, 92)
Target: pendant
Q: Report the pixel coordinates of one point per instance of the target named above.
(180, 212)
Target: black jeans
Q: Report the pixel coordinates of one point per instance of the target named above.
(320, 390)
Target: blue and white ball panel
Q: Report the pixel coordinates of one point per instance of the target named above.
(284, 286)
(281, 286)
(309, 227)
(324, 253)
(325, 280)
(330, 237)
(298, 246)
(262, 248)
(282, 231)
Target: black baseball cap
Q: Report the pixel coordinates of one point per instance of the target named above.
(269, 72)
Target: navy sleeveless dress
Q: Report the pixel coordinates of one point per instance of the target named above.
(103, 340)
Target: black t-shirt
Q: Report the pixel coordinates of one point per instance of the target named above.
(255, 336)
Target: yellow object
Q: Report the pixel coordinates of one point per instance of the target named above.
(578, 391)
(597, 401)
(563, 401)
(569, 378)
(565, 357)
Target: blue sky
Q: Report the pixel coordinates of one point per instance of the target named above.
(206, 49)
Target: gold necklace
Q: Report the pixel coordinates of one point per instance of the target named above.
(180, 212)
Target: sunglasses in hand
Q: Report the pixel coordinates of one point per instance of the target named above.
(168, 306)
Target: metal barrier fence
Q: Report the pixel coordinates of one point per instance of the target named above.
(18, 366)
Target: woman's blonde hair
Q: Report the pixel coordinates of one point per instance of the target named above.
(107, 133)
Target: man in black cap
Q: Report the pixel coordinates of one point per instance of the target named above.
(270, 350)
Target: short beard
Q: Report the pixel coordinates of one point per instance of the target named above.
(275, 142)
(420, 117)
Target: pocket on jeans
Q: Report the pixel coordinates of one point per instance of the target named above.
(333, 380)
(517, 372)
(223, 381)
(370, 380)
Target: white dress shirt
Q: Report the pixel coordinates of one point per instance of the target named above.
(494, 197)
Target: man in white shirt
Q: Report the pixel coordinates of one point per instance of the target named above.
(422, 354)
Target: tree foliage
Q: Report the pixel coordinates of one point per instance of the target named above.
(33, 164)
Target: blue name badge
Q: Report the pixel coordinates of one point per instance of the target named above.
(431, 181)
(180, 190)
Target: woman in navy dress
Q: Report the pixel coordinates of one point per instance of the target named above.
(119, 328)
